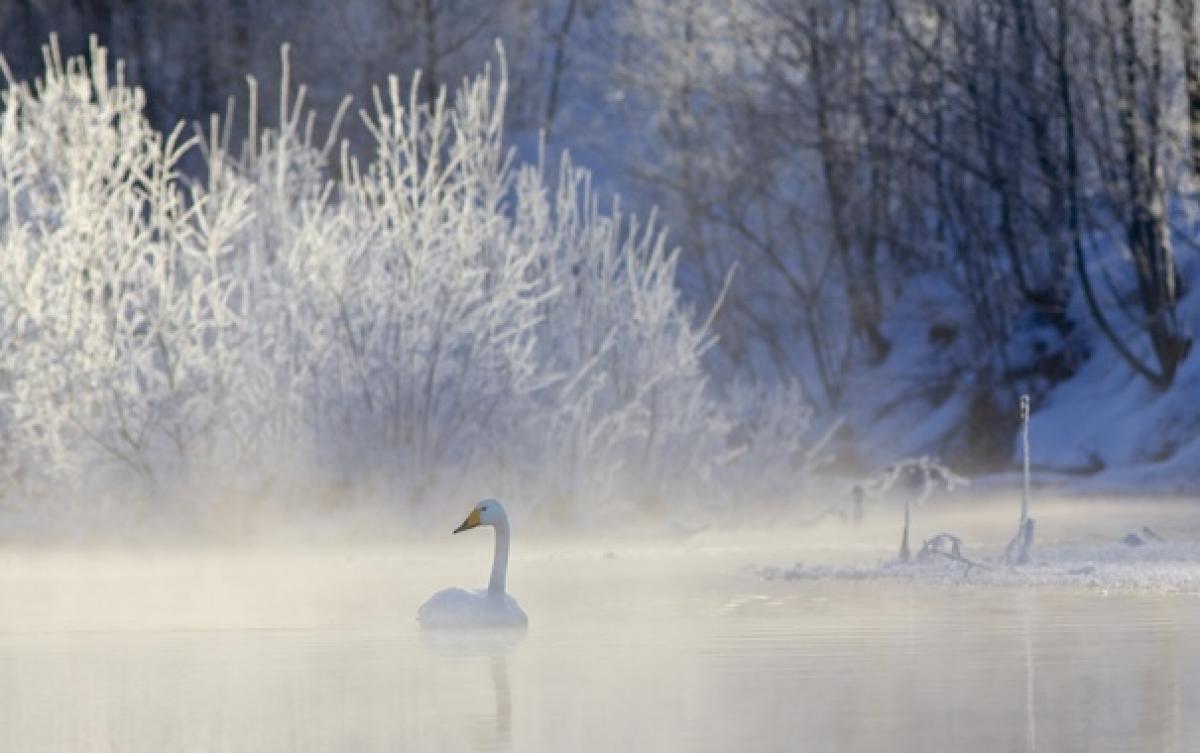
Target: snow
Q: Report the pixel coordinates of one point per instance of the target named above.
(1163, 568)
(1108, 420)
(1105, 429)
(1131, 543)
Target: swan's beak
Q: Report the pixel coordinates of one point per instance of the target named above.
(471, 521)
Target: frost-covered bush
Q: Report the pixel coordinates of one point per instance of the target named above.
(423, 313)
(114, 294)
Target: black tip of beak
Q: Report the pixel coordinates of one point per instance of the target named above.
(460, 529)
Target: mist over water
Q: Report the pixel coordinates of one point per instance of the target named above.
(635, 643)
(248, 385)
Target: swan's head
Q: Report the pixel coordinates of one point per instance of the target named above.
(487, 512)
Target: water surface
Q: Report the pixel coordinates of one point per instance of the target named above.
(645, 647)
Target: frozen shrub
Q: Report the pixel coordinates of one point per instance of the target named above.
(413, 314)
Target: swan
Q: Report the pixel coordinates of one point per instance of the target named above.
(492, 607)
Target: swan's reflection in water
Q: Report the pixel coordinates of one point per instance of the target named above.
(503, 701)
(492, 727)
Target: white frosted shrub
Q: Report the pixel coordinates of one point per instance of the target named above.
(112, 292)
(633, 402)
(425, 314)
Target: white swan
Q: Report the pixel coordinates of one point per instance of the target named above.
(457, 607)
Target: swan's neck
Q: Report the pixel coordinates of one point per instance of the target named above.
(499, 562)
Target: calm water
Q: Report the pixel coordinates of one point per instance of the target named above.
(639, 648)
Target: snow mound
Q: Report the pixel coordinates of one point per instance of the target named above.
(1151, 567)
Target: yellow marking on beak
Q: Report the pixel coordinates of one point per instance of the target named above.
(471, 521)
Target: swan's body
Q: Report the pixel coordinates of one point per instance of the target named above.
(458, 607)
(490, 607)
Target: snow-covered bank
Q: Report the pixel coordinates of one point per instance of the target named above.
(1160, 567)
(1097, 426)
(1123, 432)
(1140, 543)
